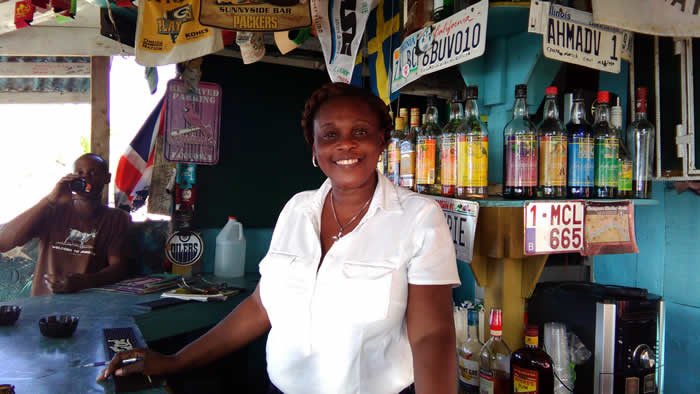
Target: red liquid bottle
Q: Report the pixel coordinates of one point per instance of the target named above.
(531, 367)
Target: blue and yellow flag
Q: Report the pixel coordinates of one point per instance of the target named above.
(383, 37)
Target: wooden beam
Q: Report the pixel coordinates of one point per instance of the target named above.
(44, 70)
(60, 41)
(44, 97)
(99, 99)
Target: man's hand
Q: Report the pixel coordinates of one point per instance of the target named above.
(61, 193)
(68, 284)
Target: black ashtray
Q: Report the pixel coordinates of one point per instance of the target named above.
(61, 326)
(9, 314)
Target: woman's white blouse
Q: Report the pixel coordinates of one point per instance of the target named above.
(342, 328)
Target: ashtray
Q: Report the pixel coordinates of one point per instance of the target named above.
(61, 326)
(9, 314)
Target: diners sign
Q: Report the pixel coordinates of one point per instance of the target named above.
(454, 40)
(569, 35)
(554, 227)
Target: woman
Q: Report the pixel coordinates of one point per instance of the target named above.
(356, 286)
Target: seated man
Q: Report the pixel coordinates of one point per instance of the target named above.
(81, 241)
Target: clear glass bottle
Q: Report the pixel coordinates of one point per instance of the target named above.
(448, 148)
(553, 149)
(606, 150)
(520, 151)
(580, 155)
(640, 143)
(531, 367)
(427, 147)
(407, 167)
(624, 180)
(494, 359)
(472, 151)
(468, 356)
(393, 165)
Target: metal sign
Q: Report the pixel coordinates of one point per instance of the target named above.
(554, 227)
(569, 35)
(461, 218)
(192, 120)
(184, 248)
(255, 15)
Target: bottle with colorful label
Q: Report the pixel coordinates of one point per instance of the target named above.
(448, 148)
(494, 359)
(427, 151)
(624, 180)
(606, 150)
(531, 367)
(468, 356)
(580, 155)
(553, 149)
(520, 155)
(407, 166)
(393, 164)
(472, 151)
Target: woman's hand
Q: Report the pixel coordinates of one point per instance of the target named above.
(70, 283)
(151, 363)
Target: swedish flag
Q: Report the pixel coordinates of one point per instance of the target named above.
(383, 37)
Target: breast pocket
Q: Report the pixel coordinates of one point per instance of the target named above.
(285, 285)
(366, 288)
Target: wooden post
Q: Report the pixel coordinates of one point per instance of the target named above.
(99, 100)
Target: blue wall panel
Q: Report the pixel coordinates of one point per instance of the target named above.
(681, 279)
(682, 349)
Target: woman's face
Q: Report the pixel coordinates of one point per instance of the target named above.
(347, 141)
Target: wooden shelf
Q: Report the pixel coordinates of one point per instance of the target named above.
(495, 201)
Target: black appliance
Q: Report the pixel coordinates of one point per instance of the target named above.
(621, 326)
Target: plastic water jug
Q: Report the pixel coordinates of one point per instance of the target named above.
(229, 259)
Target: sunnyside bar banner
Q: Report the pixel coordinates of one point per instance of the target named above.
(569, 35)
(678, 18)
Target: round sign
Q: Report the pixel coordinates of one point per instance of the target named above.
(184, 248)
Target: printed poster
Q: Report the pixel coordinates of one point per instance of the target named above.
(609, 228)
(569, 35)
(256, 15)
(192, 123)
(678, 18)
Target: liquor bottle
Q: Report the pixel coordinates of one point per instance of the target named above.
(381, 163)
(472, 151)
(427, 147)
(581, 166)
(494, 359)
(393, 166)
(531, 367)
(448, 148)
(403, 113)
(407, 167)
(520, 151)
(468, 356)
(442, 9)
(640, 141)
(553, 149)
(624, 164)
(606, 148)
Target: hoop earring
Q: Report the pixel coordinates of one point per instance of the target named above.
(313, 160)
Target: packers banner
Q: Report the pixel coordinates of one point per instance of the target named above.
(256, 15)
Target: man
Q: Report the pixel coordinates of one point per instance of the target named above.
(81, 241)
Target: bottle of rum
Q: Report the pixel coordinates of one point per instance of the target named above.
(581, 163)
(448, 148)
(531, 367)
(624, 180)
(468, 356)
(407, 167)
(393, 165)
(553, 149)
(606, 150)
(640, 141)
(494, 359)
(472, 151)
(520, 151)
(427, 147)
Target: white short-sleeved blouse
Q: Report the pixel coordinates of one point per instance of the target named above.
(341, 328)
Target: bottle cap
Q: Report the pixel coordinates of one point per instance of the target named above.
(496, 322)
(603, 96)
(532, 335)
(641, 93)
(641, 100)
(616, 115)
(232, 217)
(403, 112)
(399, 123)
(520, 91)
(472, 92)
(551, 91)
(415, 111)
(472, 317)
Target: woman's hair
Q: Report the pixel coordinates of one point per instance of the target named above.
(338, 89)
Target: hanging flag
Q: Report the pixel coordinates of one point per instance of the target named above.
(133, 176)
(357, 71)
(383, 37)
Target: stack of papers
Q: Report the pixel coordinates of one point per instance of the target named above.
(143, 284)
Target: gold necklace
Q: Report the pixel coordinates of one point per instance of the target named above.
(341, 227)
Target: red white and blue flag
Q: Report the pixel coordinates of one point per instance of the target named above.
(133, 176)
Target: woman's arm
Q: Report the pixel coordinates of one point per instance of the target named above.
(431, 333)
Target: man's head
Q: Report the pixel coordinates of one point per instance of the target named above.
(94, 169)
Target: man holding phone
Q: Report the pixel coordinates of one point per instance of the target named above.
(81, 241)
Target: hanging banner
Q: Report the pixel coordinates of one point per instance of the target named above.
(452, 41)
(678, 18)
(340, 25)
(569, 35)
(192, 123)
(461, 216)
(254, 15)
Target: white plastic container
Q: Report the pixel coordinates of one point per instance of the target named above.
(229, 259)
